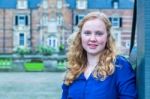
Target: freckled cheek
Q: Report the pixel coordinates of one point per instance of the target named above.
(102, 40)
(84, 42)
(84, 39)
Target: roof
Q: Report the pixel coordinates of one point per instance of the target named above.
(92, 4)
(7, 4)
(34, 3)
(103, 4)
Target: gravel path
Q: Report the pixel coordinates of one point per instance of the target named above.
(30, 85)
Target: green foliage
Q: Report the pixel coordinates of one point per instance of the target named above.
(23, 51)
(5, 63)
(61, 64)
(44, 50)
(61, 47)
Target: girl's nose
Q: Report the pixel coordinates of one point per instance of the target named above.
(93, 37)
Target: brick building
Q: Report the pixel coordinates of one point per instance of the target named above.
(29, 23)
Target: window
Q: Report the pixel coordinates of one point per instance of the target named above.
(45, 4)
(21, 20)
(59, 4)
(116, 21)
(21, 39)
(62, 37)
(59, 20)
(81, 4)
(115, 4)
(78, 18)
(52, 41)
(127, 44)
(44, 20)
(22, 4)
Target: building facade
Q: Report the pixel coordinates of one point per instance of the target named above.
(30, 23)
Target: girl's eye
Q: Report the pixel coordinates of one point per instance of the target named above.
(99, 33)
(87, 32)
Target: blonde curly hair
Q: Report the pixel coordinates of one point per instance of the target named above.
(77, 57)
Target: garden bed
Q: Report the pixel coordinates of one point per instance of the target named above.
(34, 66)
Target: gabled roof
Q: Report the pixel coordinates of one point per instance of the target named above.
(11, 4)
(103, 4)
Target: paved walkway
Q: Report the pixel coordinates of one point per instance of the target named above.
(30, 85)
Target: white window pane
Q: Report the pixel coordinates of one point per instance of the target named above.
(80, 17)
(115, 5)
(21, 20)
(81, 4)
(52, 41)
(59, 4)
(45, 4)
(127, 44)
(115, 22)
(22, 4)
(59, 20)
(45, 20)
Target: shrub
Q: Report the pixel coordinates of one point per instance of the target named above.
(61, 47)
(45, 50)
(23, 50)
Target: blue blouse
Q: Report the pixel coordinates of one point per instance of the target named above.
(120, 85)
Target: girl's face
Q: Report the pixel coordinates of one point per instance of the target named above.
(94, 36)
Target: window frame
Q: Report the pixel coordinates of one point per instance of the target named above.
(22, 4)
(52, 41)
(20, 39)
(59, 4)
(21, 22)
(81, 4)
(78, 18)
(115, 4)
(116, 23)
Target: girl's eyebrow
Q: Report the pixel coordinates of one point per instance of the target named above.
(87, 30)
(99, 31)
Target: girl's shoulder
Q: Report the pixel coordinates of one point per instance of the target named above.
(122, 62)
(123, 67)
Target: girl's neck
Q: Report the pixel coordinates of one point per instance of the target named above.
(92, 60)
